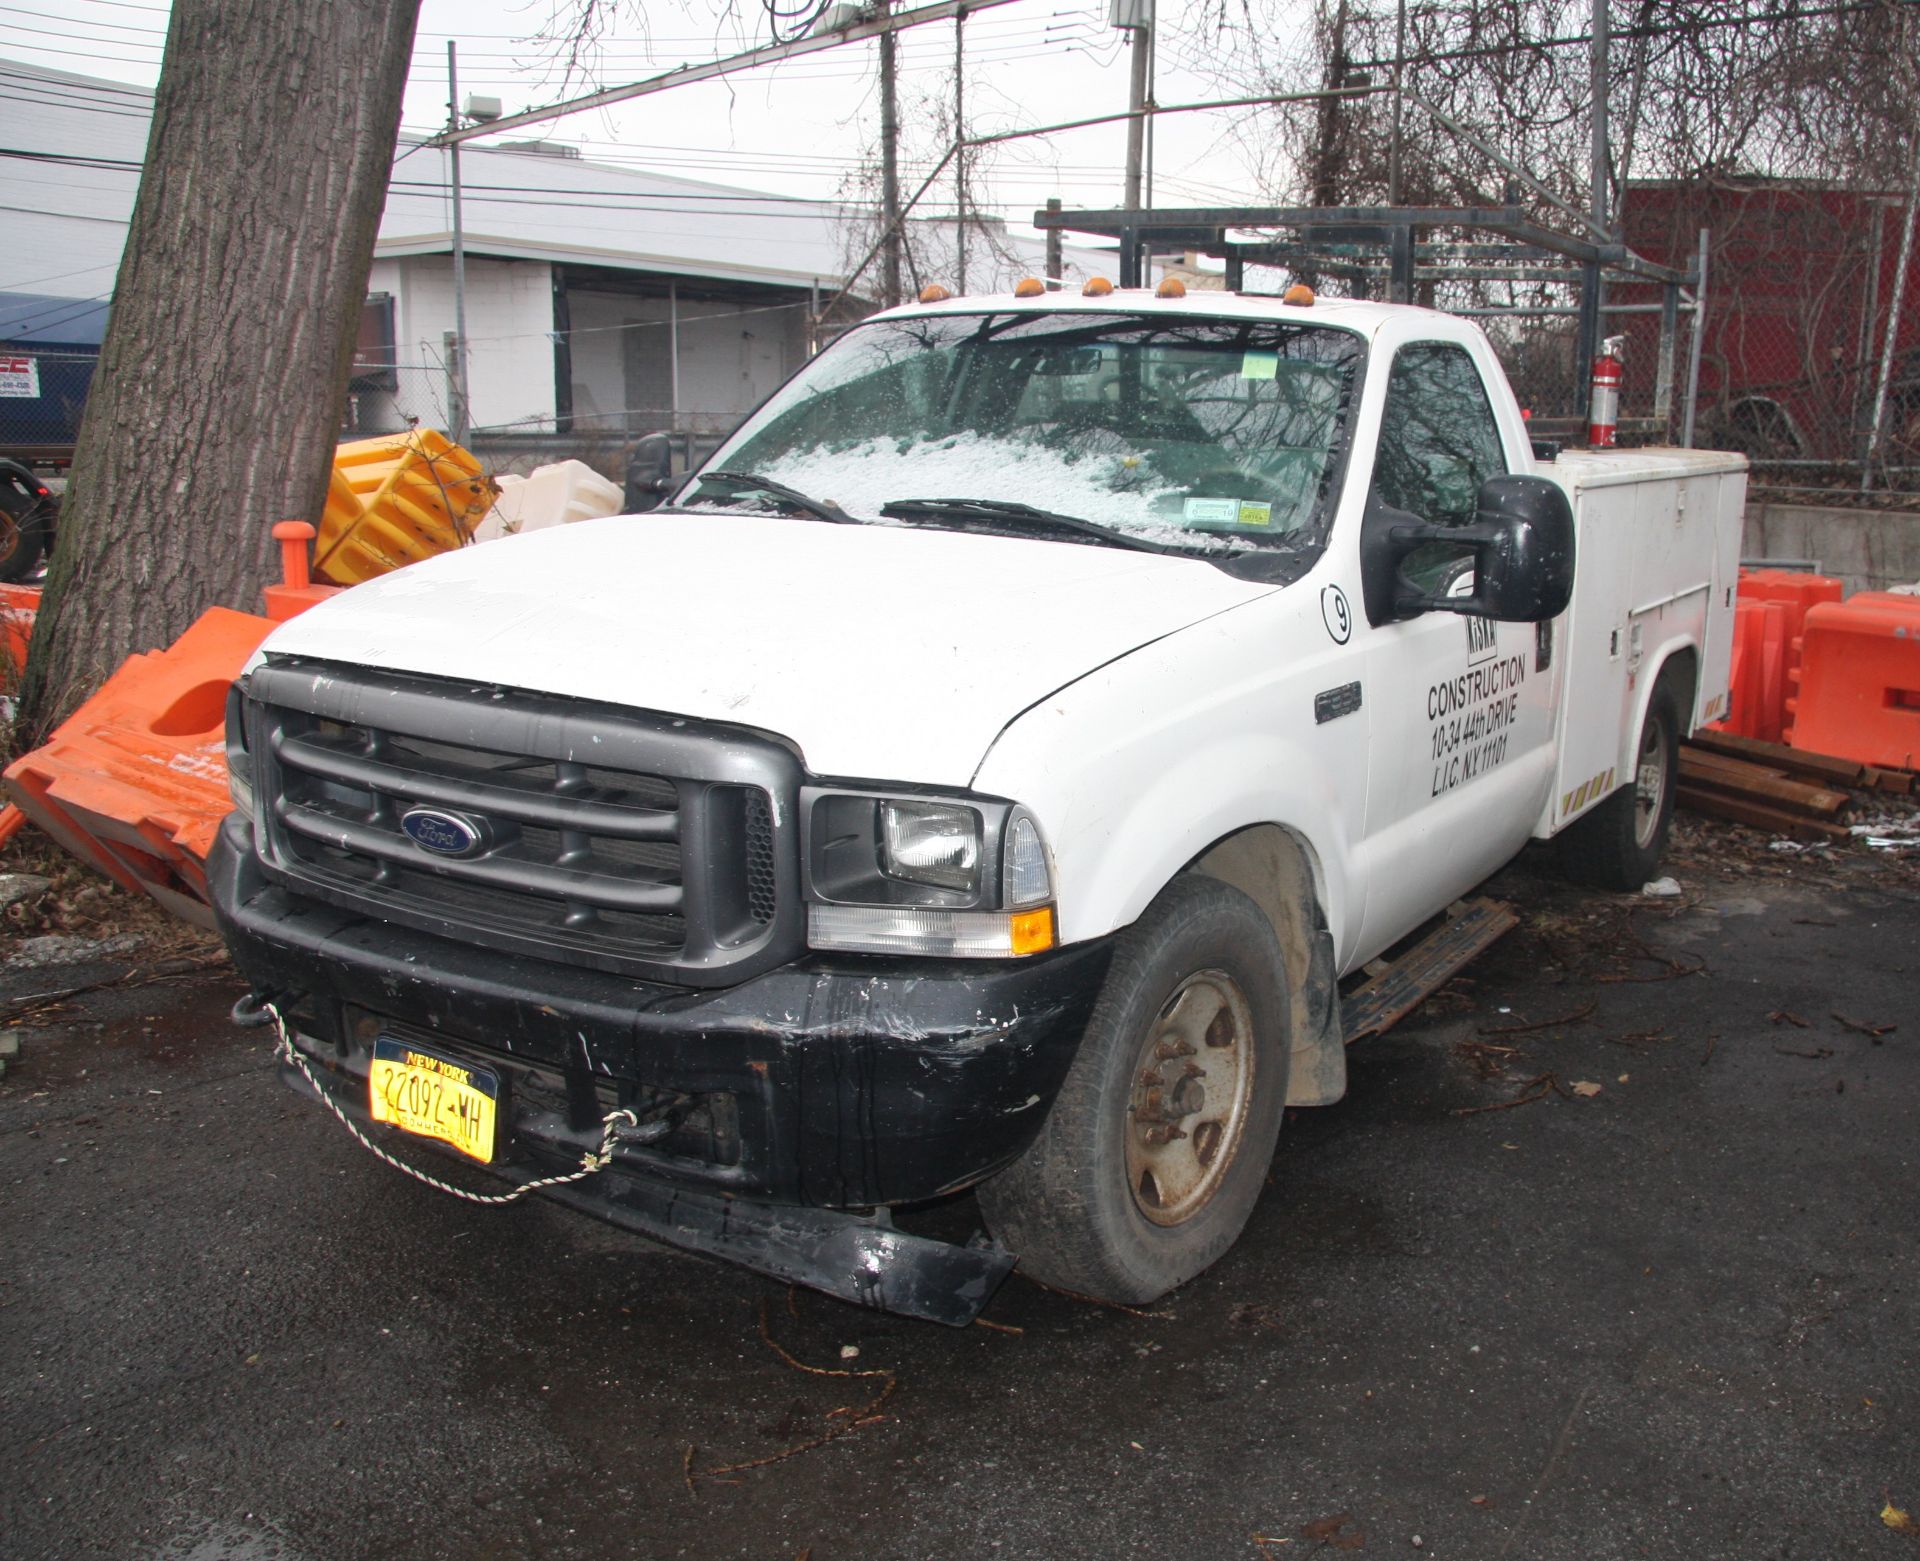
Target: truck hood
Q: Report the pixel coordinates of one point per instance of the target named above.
(884, 652)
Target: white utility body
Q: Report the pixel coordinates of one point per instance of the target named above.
(1281, 685)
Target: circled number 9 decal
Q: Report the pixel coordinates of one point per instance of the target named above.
(1336, 612)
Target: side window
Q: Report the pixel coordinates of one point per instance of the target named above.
(1438, 438)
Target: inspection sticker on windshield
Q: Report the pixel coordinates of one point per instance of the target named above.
(1259, 365)
(1227, 512)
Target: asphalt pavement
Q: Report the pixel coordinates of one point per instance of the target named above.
(1610, 1252)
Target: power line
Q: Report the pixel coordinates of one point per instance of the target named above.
(61, 277)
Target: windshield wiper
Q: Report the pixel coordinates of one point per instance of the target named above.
(1008, 510)
(747, 482)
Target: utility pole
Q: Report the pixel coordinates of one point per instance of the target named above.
(960, 143)
(1136, 16)
(889, 168)
(1056, 246)
(460, 415)
(1399, 72)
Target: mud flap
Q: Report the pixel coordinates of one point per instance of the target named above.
(1318, 1072)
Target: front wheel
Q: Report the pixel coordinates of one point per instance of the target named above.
(1618, 845)
(1156, 1148)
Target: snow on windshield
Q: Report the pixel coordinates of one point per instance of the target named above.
(1113, 487)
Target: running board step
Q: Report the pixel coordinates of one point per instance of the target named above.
(1471, 927)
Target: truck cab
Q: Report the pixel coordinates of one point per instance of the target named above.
(979, 774)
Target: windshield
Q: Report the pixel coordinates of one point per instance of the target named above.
(1215, 434)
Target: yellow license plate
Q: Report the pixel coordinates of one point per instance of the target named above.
(433, 1096)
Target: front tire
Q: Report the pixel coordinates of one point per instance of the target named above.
(1618, 845)
(1153, 1156)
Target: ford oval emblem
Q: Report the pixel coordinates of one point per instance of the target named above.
(443, 832)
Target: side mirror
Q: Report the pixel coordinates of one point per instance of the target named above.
(649, 473)
(1521, 545)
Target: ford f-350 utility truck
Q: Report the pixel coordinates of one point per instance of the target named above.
(981, 773)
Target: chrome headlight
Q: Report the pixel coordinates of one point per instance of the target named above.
(925, 875)
(934, 843)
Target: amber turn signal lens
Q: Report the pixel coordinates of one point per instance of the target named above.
(1299, 295)
(1097, 287)
(1029, 287)
(934, 293)
(1170, 287)
(1031, 932)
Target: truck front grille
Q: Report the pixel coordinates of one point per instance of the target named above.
(599, 837)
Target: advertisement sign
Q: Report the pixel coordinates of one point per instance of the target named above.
(20, 377)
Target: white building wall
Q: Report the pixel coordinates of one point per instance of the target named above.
(731, 357)
(509, 334)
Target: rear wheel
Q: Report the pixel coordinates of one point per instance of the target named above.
(1618, 844)
(1157, 1146)
(23, 532)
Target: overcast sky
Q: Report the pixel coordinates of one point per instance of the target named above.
(798, 128)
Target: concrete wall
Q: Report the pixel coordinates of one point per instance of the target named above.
(509, 321)
(1871, 550)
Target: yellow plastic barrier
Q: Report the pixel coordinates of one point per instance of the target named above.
(396, 500)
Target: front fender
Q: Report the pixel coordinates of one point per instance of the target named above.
(1135, 770)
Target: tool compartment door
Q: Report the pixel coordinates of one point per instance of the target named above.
(1592, 637)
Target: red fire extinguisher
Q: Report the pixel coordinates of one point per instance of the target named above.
(1603, 413)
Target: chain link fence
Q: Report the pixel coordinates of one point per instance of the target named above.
(43, 391)
(1812, 336)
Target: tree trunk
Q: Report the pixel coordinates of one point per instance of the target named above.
(222, 380)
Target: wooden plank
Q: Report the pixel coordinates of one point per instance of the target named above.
(1717, 804)
(1749, 780)
(1735, 768)
(1795, 761)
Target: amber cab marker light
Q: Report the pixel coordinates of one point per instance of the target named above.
(1299, 295)
(1170, 287)
(1097, 287)
(1031, 932)
(934, 293)
(1029, 287)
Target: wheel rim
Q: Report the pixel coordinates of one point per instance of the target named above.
(12, 533)
(1649, 783)
(1192, 1087)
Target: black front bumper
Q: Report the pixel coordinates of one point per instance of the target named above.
(803, 1100)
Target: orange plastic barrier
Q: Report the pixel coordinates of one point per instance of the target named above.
(135, 781)
(1769, 613)
(1757, 703)
(296, 591)
(1858, 693)
(1743, 676)
(396, 500)
(18, 606)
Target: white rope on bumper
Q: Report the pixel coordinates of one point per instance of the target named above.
(597, 1160)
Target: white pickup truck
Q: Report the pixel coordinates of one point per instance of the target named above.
(981, 774)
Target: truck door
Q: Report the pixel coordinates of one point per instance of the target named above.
(1463, 706)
